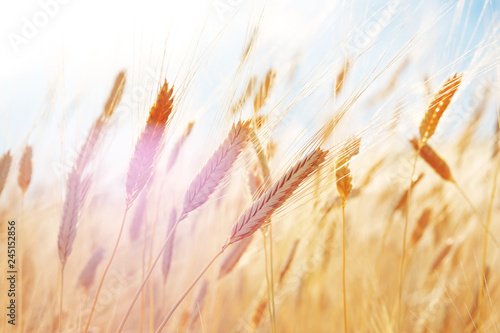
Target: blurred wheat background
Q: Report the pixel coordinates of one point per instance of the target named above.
(251, 166)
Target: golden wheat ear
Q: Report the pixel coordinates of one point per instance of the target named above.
(342, 171)
(436, 162)
(437, 107)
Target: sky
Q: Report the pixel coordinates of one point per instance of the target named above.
(59, 58)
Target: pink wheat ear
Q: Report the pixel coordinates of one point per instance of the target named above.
(76, 191)
(147, 146)
(5, 163)
(216, 168)
(262, 209)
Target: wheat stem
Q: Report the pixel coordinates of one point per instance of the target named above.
(269, 282)
(61, 299)
(482, 279)
(179, 301)
(344, 295)
(403, 253)
(148, 274)
(101, 282)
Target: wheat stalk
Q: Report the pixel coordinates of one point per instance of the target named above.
(261, 210)
(201, 188)
(76, 191)
(427, 128)
(141, 167)
(344, 187)
(169, 249)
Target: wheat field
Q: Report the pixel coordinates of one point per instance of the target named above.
(259, 166)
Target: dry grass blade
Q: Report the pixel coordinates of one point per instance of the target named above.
(437, 106)
(264, 90)
(262, 209)
(25, 169)
(5, 163)
(169, 249)
(87, 276)
(216, 168)
(433, 160)
(342, 171)
(146, 149)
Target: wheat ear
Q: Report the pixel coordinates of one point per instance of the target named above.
(5, 163)
(260, 211)
(439, 165)
(141, 166)
(87, 274)
(201, 188)
(25, 169)
(264, 90)
(437, 107)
